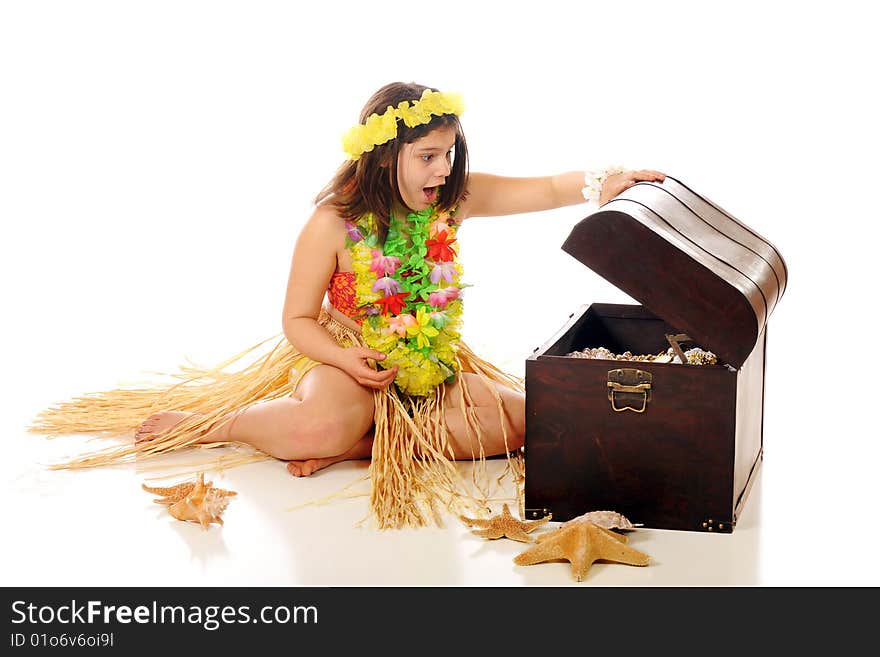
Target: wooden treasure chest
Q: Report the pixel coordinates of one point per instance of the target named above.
(669, 444)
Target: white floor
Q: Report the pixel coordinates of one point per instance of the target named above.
(99, 528)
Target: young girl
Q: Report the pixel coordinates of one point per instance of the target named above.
(371, 363)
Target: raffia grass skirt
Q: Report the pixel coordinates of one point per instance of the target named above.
(412, 472)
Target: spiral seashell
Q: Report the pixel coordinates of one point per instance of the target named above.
(606, 519)
(194, 501)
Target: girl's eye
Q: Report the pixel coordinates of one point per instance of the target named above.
(427, 156)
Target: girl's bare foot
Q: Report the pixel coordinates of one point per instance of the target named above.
(362, 449)
(305, 468)
(158, 423)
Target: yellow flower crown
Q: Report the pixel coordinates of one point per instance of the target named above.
(381, 128)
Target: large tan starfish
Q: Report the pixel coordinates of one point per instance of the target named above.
(505, 524)
(582, 543)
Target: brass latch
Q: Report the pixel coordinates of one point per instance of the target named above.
(629, 389)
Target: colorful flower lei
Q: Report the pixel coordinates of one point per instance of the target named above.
(381, 128)
(409, 295)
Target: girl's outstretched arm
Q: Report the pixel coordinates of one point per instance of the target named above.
(495, 196)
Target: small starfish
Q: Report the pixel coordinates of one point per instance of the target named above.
(173, 494)
(505, 524)
(582, 543)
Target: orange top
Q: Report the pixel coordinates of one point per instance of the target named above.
(341, 293)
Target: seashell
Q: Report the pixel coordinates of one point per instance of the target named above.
(194, 501)
(605, 519)
(697, 356)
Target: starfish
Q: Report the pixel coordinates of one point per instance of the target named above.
(582, 543)
(173, 494)
(505, 524)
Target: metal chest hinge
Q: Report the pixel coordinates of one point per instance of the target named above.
(629, 389)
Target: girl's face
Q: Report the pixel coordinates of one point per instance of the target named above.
(423, 166)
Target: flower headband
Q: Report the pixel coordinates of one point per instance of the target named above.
(381, 128)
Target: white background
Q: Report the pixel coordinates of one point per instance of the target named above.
(157, 160)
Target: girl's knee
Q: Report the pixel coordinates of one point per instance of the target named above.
(330, 432)
(509, 432)
(515, 408)
(515, 440)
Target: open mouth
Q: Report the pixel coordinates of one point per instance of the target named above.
(430, 194)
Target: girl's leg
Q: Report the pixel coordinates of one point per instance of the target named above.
(485, 409)
(362, 449)
(485, 412)
(327, 416)
(329, 419)
(338, 382)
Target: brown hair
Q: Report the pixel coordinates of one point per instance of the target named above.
(369, 184)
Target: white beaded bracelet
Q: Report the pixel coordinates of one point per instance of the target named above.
(593, 180)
